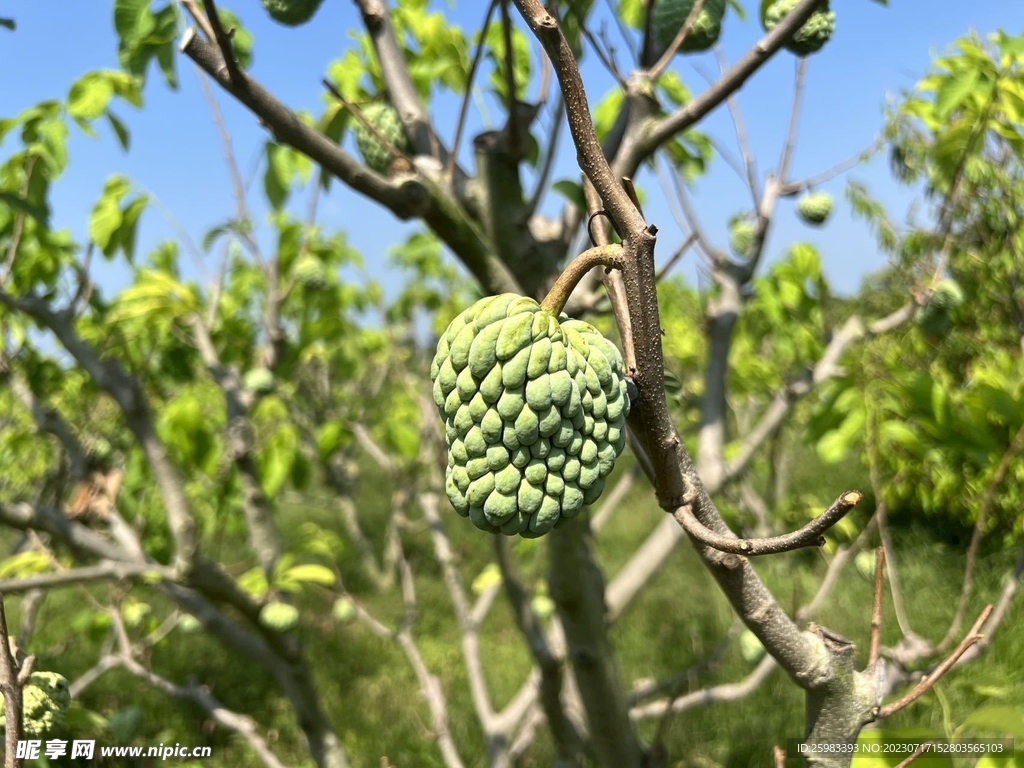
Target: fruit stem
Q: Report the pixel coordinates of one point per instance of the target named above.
(609, 256)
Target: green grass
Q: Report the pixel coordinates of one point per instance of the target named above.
(373, 698)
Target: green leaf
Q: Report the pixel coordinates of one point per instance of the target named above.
(21, 204)
(311, 573)
(24, 564)
(571, 191)
(106, 216)
(489, 577)
(120, 130)
(7, 23)
(1008, 721)
(254, 582)
(277, 177)
(126, 235)
(241, 38)
(89, 96)
(954, 91)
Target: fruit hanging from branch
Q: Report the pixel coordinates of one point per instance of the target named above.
(378, 149)
(292, 13)
(814, 209)
(669, 16)
(534, 406)
(812, 36)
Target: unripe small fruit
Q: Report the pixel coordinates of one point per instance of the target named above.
(812, 36)
(279, 616)
(815, 208)
(386, 120)
(46, 699)
(292, 13)
(669, 16)
(259, 380)
(310, 273)
(741, 237)
(344, 610)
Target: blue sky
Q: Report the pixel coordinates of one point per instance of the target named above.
(177, 157)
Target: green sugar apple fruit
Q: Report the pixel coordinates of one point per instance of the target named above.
(47, 697)
(741, 237)
(812, 36)
(279, 617)
(815, 208)
(310, 273)
(669, 16)
(292, 13)
(935, 316)
(947, 295)
(259, 380)
(534, 408)
(386, 120)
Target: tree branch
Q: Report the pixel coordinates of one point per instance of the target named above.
(408, 196)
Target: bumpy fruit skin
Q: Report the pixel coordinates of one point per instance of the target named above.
(292, 13)
(534, 409)
(741, 237)
(310, 273)
(670, 15)
(385, 119)
(47, 697)
(812, 36)
(815, 209)
(259, 380)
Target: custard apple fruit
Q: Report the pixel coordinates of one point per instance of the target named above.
(310, 273)
(385, 119)
(669, 16)
(947, 295)
(344, 610)
(259, 380)
(741, 237)
(47, 697)
(292, 13)
(815, 208)
(534, 408)
(935, 316)
(815, 32)
(279, 616)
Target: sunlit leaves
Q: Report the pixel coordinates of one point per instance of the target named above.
(113, 226)
(145, 35)
(285, 166)
(521, 62)
(154, 295)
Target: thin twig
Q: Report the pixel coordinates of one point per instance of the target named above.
(223, 39)
(786, 159)
(474, 64)
(917, 753)
(930, 680)
(876, 612)
(979, 531)
(808, 536)
(680, 38)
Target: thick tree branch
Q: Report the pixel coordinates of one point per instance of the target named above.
(407, 197)
(811, 535)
